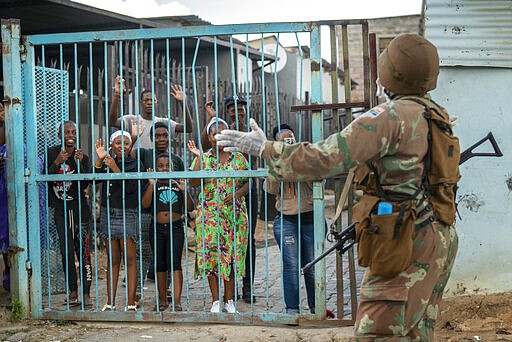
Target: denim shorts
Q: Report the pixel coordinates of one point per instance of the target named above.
(119, 228)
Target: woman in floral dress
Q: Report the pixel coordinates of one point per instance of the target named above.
(221, 224)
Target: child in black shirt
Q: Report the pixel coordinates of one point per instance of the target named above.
(169, 208)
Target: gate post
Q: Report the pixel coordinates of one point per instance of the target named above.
(13, 96)
(318, 193)
(34, 236)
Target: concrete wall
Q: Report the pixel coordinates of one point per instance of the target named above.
(473, 41)
(479, 96)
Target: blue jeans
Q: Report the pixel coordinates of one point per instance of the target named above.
(290, 255)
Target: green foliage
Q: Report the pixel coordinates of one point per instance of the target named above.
(17, 311)
(61, 322)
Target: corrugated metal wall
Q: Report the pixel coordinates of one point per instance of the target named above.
(470, 87)
(471, 33)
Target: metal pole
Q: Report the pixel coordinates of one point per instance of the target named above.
(318, 193)
(13, 97)
(373, 69)
(348, 120)
(338, 184)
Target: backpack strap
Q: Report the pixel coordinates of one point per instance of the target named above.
(399, 221)
(343, 197)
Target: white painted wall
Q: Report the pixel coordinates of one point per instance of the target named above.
(242, 73)
(481, 98)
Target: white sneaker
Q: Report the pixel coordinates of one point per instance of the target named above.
(215, 307)
(229, 307)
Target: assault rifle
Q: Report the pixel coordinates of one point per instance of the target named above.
(347, 237)
(344, 240)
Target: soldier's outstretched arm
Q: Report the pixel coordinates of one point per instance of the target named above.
(367, 138)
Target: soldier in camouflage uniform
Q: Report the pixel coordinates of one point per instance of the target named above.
(393, 138)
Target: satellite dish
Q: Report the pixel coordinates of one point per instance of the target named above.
(279, 64)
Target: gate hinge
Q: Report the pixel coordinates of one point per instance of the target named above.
(28, 265)
(26, 175)
(23, 53)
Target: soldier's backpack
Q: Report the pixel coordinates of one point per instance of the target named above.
(442, 160)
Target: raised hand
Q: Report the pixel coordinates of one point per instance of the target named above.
(151, 181)
(118, 86)
(177, 92)
(210, 111)
(136, 123)
(180, 184)
(99, 147)
(191, 145)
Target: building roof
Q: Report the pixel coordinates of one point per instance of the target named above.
(59, 16)
(179, 20)
(63, 16)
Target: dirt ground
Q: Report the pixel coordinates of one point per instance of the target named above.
(476, 318)
(464, 318)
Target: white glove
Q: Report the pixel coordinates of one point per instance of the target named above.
(251, 142)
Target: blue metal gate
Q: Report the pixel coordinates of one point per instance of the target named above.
(87, 63)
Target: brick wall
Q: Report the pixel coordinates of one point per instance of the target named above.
(385, 29)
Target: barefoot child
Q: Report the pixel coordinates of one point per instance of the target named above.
(170, 207)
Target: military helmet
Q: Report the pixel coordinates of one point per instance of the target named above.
(409, 65)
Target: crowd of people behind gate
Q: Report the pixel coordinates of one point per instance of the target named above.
(135, 212)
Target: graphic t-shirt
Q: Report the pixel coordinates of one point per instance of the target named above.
(167, 195)
(61, 191)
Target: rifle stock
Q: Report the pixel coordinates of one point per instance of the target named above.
(468, 153)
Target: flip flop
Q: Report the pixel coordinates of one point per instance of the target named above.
(161, 307)
(72, 302)
(108, 307)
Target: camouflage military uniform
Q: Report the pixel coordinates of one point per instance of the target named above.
(392, 136)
